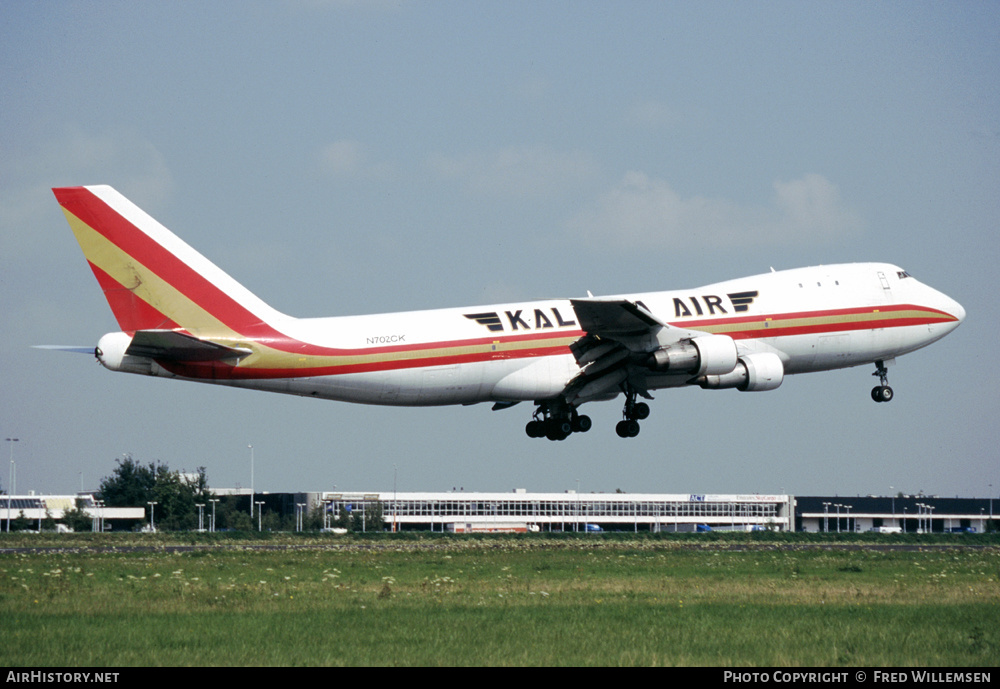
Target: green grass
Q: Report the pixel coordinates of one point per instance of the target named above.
(501, 601)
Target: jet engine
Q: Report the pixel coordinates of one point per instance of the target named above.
(754, 373)
(707, 355)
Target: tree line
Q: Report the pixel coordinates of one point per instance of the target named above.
(177, 496)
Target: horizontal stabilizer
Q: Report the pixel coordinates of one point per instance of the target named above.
(170, 345)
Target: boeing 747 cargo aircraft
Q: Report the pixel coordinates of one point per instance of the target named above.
(183, 317)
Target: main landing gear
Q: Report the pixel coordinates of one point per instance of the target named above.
(881, 393)
(557, 420)
(633, 413)
(556, 424)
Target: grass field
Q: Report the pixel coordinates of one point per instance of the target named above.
(500, 601)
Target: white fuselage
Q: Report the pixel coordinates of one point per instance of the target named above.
(813, 319)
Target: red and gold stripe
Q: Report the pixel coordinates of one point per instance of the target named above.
(822, 322)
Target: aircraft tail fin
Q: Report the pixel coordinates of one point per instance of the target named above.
(151, 278)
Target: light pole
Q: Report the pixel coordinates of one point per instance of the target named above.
(10, 481)
(299, 509)
(260, 509)
(576, 527)
(152, 514)
(99, 517)
(213, 501)
(893, 503)
(201, 515)
(251, 483)
(826, 517)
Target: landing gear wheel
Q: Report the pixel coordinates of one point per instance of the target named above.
(882, 393)
(628, 428)
(535, 429)
(633, 413)
(556, 421)
(558, 429)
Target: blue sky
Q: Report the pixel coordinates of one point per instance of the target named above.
(357, 157)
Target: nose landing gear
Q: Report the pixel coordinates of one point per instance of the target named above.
(882, 393)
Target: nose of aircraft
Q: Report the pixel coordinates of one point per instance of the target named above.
(957, 311)
(951, 307)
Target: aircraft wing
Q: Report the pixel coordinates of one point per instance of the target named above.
(611, 317)
(170, 345)
(614, 317)
(621, 334)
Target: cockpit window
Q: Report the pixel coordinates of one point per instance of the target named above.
(902, 274)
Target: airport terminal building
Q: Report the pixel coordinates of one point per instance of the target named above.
(658, 512)
(519, 510)
(570, 511)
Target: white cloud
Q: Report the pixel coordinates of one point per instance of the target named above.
(651, 114)
(343, 157)
(644, 212)
(123, 159)
(517, 171)
(349, 158)
(811, 208)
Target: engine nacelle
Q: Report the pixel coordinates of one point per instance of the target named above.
(111, 350)
(707, 355)
(755, 373)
